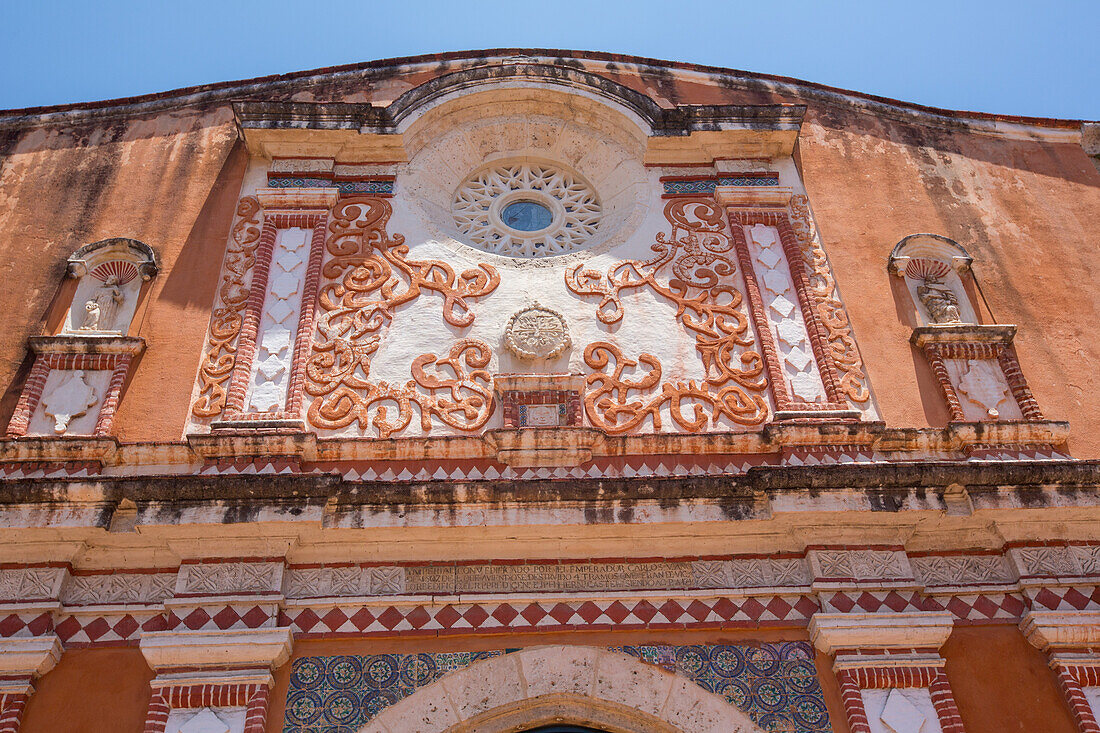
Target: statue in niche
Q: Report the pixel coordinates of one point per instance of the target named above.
(101, 308)
(940, 301)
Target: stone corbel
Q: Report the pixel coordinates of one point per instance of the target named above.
(1069, 638)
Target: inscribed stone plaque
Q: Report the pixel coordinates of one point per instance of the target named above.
(568, 577)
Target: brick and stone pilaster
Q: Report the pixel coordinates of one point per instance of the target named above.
(225, 675)
(890, 671)
(1070, 640)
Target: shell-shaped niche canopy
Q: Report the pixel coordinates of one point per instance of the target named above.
(932, 267)
(109, 275)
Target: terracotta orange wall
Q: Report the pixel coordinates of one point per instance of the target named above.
(1002, 684)
(1025, 211)
(170, 181)
(91, 691)
(335, 647)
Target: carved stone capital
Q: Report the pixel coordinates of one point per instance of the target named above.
(29, 657)
(831, 632)
(1051, 630)
(237, 648)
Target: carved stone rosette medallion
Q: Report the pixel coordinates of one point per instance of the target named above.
(537, 332)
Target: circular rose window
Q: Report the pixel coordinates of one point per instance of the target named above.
(526, 210)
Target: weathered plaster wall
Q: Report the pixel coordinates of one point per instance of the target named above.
(1002, 684)
(91, 690)
(170, 181)
(1025, 211)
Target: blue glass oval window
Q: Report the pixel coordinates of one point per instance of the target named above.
(527, 216)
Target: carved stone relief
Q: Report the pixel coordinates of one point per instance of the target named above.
(70, 398)
(225, 322)
(109, 276)
(366, 276)
(985, 392)
(537, 333)
(20, 584)
(230, 577)
(860, 564)
(1072, 561)
(118, 588)
(70, 402)
(962, 569)
(692, 270)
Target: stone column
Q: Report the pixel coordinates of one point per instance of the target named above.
(890, 671)
(1069, 639)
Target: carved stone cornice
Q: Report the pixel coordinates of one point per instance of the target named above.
(81, 344)
(29, 657)
(237, 444)
(970, 333)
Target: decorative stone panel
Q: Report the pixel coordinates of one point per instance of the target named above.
(74, 385)
(978, 372)
(539, 400)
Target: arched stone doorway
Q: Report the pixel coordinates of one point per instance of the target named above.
(587, 688)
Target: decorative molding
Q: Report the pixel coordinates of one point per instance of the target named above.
(860, 565)
(708, 185)
(934, 570)
(1064, 561)
(115, 588)
(751, 573)
(230, 577)
(27, 584)
(539, 400)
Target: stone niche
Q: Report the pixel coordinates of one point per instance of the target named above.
(974, 363)
(108, 275)
(76, 380)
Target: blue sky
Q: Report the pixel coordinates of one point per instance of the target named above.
(1026, 58)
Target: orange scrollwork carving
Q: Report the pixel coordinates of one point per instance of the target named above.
(367, 278)
(842, 345)
(225, 325)
(708, 304)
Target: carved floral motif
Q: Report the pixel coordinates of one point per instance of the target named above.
(692, 269)
(225, 326)
(537, 333)
(842, 345)
(367, 278)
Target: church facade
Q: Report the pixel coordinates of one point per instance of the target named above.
(527, 390)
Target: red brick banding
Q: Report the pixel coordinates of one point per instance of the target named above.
(253, 697)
